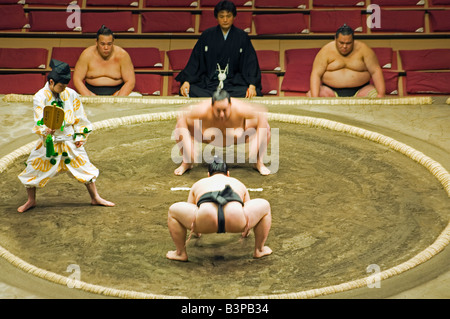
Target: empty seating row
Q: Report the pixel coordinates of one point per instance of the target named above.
(13, 17)
(239, 3)
(426, 82)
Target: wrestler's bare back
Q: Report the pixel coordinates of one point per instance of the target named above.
(206, 219)
(345, 71)
(214, 183)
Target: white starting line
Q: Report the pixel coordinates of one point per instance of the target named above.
(174, 189)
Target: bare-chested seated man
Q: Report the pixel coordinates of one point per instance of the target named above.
(344, 67)
(217, 204)
(104, 68)
(232, 119)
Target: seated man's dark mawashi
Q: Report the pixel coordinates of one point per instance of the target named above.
(347, 92)
(103, 90)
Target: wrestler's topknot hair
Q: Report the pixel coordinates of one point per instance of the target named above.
(104, 31)
(225, 6)
(345, 30)
(217, 166)
(220, 95)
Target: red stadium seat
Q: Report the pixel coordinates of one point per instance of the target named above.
(145, 57)
(12, 17)
(243, 21)
(427, 82)
(70, 85)
(439, 20)
(291, 23)
(301, 4)
(430, 59)
(401, 21)
(398, 3)
(50, 21)
(148, 84)
(171, 3)
(50, 2)
(440, 2)
(121, 21)
(390, 81)
(329, 21)
(118, 3)
(300, 57)
(269, 83)
(174, 85)
(68, 55)
(29, 58)
(298, 65)
(238, 3)
(386, 58)
(160, 22)
(24, 83)
(178, 58)
(269, 60)
(338, 3)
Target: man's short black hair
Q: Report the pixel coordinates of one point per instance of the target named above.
(217, 166)
(225, 6)
(345, 30)
(104, 31)
(220, 95)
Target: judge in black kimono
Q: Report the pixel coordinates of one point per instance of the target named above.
(223, 57)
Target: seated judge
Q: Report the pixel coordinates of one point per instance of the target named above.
(104, 68)
(344, 67)
(225, 53)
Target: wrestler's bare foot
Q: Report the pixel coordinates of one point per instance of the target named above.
(262, 169)
(173, 255)
(182, 169)
(28, 205)
(102, 202)
(263, 252)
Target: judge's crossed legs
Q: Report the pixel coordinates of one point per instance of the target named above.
(183, 216)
